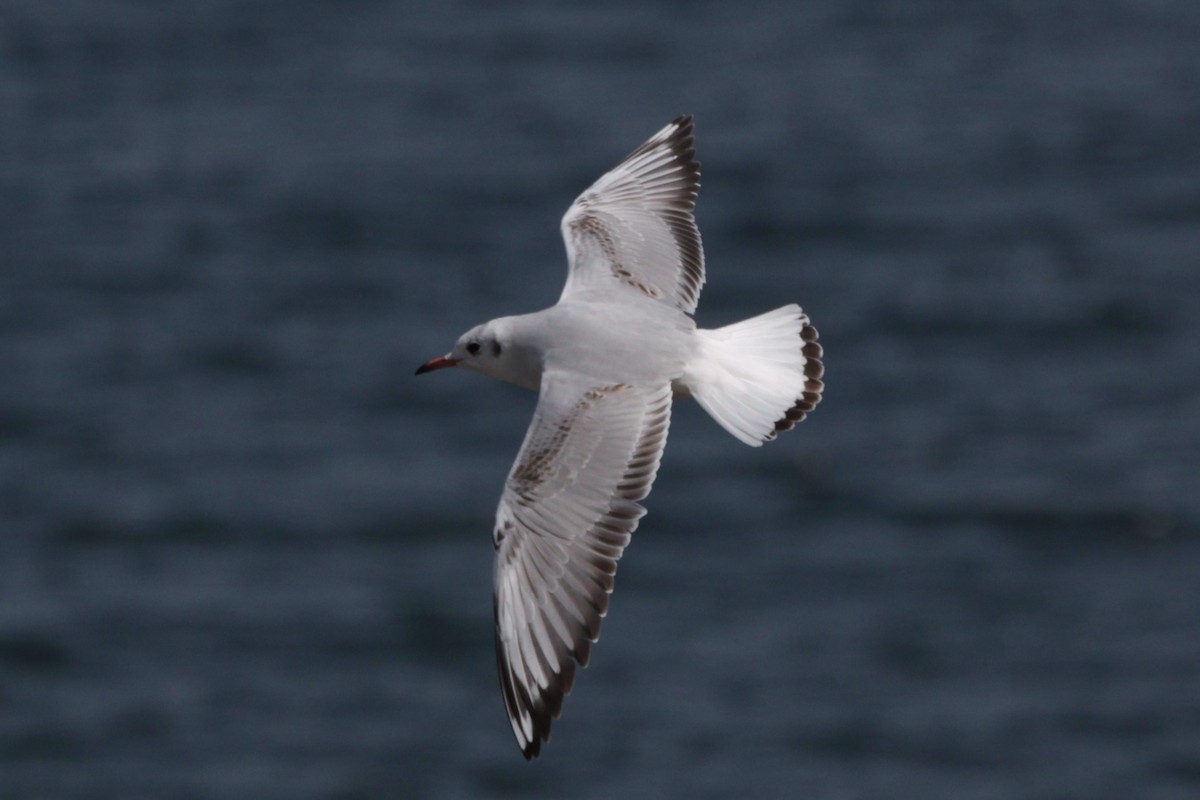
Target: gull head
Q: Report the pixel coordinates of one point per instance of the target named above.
(490, 349)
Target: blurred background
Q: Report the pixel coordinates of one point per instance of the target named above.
(244, 553)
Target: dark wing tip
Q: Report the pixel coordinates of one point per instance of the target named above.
(542, 708)
(684, 134)
(682, 143)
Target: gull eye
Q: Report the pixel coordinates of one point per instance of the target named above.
(473, 348)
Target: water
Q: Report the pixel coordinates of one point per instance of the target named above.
(246, 554)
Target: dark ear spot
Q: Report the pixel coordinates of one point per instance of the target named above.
(495, 348)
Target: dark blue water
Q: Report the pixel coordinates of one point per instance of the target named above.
(244, 553)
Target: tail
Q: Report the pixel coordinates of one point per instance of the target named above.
(759, 376)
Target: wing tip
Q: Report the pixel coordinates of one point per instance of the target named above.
(535, 713)
(680, 136)
(685, 124)
(683, 140)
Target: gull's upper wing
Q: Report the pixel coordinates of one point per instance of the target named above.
(634, 226)
(566, 515)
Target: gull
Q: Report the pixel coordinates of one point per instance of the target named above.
(607, 360)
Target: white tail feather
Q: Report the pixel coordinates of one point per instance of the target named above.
(759, 376)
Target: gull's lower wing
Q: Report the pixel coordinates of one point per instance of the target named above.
(569, 507)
